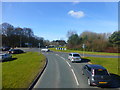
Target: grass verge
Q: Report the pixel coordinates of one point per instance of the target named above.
(111, 64)
(86, 52)
(21, 71)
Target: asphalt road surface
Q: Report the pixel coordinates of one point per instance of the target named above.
(61, 73)
(88, 55)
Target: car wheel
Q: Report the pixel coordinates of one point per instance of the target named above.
(89, 82)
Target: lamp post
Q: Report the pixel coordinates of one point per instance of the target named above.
(20, 40)
(39, 46)
(83, 46)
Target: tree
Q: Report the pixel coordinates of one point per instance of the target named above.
(70, 33)
(115, 38)
(94, 41)
(73, 41)
(17, 36)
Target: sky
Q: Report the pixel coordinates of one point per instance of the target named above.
(52, 20)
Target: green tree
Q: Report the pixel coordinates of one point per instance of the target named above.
(115, 38)
(73, 41)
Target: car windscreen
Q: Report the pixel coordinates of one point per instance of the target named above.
(11, 49)
(76, 55)
(101, 72)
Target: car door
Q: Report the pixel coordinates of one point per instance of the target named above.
(85, 70)
(88, 73)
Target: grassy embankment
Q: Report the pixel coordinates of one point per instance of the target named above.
(110, 63)
(21, 71)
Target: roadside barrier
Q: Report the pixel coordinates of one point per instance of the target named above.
(61, 49)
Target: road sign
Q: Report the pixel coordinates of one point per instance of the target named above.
(39, 44)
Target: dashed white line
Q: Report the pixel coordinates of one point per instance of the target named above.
(71, 69)
(60, 56)
(75, 76)
(68, 64)
(57, 54)
(63, 58)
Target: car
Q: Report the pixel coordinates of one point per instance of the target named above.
(15, 51)
(74, 57)
(5, 48)
(45, 50)
(5, 56)
(97, 75)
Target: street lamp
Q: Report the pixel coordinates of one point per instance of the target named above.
(20, 40)
(83, 46)
(39, 46)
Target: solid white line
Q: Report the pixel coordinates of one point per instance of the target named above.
(75, 77)
(68, 63)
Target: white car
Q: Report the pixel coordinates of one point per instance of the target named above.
(74, 57)
(5, 56)
(45, 50)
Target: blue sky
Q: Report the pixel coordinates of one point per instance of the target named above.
(52, 20)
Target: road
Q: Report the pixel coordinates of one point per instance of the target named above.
(61, 73)
(87, 55)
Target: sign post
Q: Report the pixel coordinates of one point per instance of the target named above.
(83, 46)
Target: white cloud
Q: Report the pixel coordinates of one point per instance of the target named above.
(76, 2)
(77, 14)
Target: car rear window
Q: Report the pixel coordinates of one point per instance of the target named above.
(101, 72)
(76, 55)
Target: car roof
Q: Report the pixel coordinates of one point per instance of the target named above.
(94, 66)
(15, 49)
(73, 53)
(3, 53)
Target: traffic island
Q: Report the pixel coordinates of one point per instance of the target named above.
(21, 72)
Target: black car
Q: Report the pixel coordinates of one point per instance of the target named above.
(96, 75)
(15, 51)
(5, 48)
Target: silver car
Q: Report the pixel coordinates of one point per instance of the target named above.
(74, 57)
(5, 56)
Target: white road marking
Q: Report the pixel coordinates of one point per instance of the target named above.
(57, 54)
(68, 64)
(63, 58)
(75, 76)
(71, 70)
(60, 56)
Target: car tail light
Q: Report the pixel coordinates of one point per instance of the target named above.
(12, 52)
